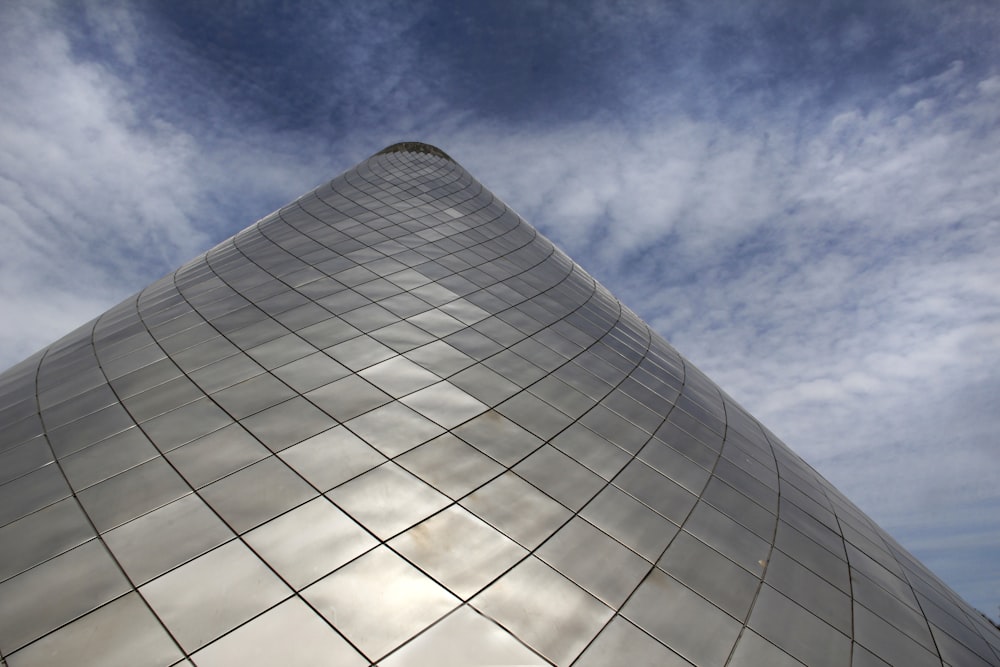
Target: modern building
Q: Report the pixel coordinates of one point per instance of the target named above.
(391, 423)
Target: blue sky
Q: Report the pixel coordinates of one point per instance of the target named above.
(803, 197)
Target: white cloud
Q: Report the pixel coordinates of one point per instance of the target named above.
(97, 199)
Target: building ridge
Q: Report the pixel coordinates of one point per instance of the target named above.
(414, 147)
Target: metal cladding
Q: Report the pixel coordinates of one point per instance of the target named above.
(391, 422)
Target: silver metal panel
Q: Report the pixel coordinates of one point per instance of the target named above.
(348, 397)
(685, 622)
(166, 537)
(796, 631)
(288, 423)
(436, 322)
(459, 550)
(656, 491)
(331, 458)
(463, 638)
(888, 607)
(37, 537)
(630, 522)
(359, 353)
(440, 358)
(402, 336)
(518, 509)
(379, 601)
(132, 493)
(445, 404)
(290, 634)
(107, 458)
(280, 351)
(216, 455)
(450, 465)
(752, 650)
(498, 437)
(484, 384)
(399, 376)
(253, 395)
(609, 572)
(888, 643)
(186, 599)
(123, 633)
(89, 429)
(547, 611)
(309, 542)
(226, 372)
(534, 414)
(394, 428)
(23, 459)
(162, 398)
(310, 372)
(560, 476)
(728, 537)
(257, 493)
(862, 657)
(809, 590)
(669, 462)
(45, 597)
(813, 555)
(711, 575)
(621, 643)
(186, 423)
(593, 451)
(388, 500)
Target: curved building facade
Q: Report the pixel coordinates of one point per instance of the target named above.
(391, 423)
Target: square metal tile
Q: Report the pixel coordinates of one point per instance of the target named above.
(331, 458)
(594, 561)
(393, 428)
(459, 550)
(84, 641)
(56, 592)
(545, 610)
(150, 545)
(685, 622)
(450, 465)
(387, 601)
(290, 634)
(464, 638)
(498, 437)
(521, 511)
(388, 500)
(187, 599)
(257, 493)
(309, 542)
(445, 404)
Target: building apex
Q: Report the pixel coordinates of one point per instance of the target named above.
(414, 147)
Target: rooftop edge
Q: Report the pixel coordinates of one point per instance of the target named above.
(415, 147)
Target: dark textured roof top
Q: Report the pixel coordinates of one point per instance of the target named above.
(415, 147)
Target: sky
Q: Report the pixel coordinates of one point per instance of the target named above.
(804, 198)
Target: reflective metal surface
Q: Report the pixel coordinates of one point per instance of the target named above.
(391, 423)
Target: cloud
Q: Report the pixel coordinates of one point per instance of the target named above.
(98, 198)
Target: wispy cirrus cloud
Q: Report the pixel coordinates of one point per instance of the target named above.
(97, 197)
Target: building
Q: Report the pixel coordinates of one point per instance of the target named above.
(392, 423)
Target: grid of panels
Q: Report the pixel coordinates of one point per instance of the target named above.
(392, 423)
